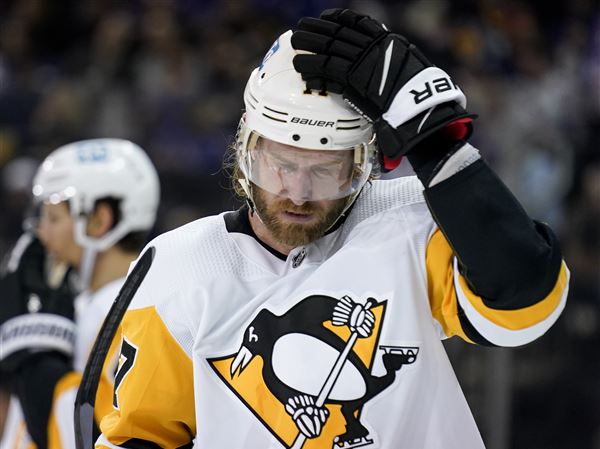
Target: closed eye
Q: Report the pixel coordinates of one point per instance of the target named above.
(321, 172)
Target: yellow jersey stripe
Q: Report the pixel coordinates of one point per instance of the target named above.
(520, 318)
(503, 336)
(440, 286)
(65, 385)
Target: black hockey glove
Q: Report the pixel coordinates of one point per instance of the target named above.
(33, 316)
(385, 78)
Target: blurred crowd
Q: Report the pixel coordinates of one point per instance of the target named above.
(169, 75)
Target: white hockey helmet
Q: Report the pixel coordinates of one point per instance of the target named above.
(281, 109)
(86, 171)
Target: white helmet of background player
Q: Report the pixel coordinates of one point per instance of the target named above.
(279, 108)
(84, 172)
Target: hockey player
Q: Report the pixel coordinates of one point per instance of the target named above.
(312, 317)
(98, 202)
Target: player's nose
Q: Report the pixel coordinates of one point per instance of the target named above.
(299, 187)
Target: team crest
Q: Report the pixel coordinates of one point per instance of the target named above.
(270, 53)
(307, 374)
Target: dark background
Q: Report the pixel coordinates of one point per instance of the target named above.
(169, 75)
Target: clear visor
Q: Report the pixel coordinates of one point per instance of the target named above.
(304, 174)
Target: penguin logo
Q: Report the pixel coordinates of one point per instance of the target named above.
(307, 373)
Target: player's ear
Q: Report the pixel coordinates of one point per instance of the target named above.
(101, 220)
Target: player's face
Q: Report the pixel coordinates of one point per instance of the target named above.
(292, 188)
(56, 233)
(299, 174)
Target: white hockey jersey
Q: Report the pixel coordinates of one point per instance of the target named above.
(225, 345)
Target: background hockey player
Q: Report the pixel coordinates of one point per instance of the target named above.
(98, 201)
(312, 317)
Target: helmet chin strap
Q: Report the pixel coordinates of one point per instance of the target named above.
(350, 201)
(249, 200)
(91, 247)
(86, 267)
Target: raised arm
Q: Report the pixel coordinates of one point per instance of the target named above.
(495, 275)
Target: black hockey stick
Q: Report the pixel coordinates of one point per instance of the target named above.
(86, 396)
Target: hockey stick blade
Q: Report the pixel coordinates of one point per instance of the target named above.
(86, 395)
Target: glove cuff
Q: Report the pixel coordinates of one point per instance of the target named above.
(425, 139)
(37, 331)
(464, 155)
(426, 90)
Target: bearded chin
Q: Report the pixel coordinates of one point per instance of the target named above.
(293, 234)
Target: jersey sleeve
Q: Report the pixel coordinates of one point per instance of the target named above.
(153, 399)
(460, 311)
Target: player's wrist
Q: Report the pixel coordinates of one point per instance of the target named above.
(437, 162)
